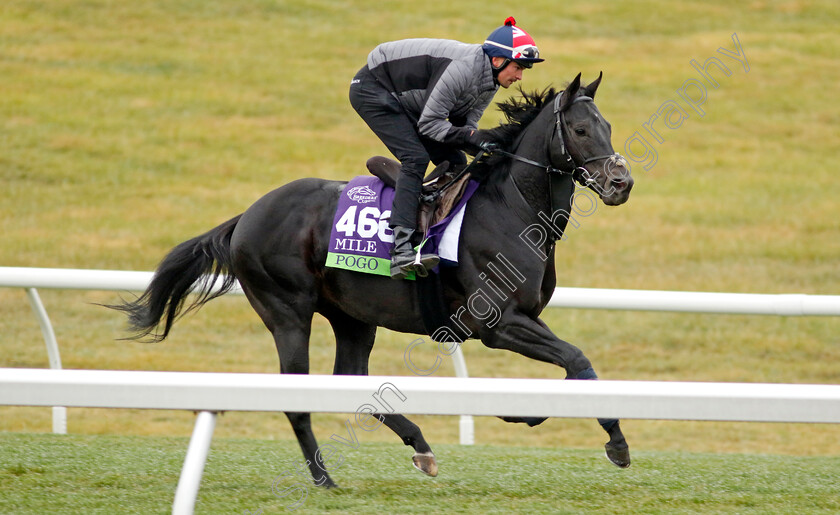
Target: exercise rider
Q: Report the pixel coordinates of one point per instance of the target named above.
(423, 98)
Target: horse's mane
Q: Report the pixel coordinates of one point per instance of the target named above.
(519, 112)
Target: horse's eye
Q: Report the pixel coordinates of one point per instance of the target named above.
(580, 132)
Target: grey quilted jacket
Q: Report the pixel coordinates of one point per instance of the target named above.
(443, 85)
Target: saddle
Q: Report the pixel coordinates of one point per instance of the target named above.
(442, 188)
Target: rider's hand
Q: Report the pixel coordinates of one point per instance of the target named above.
(483, 141)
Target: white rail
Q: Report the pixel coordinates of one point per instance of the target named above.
(191, 472)
(585, 298)
(118, 280)
(211, 393)
(200, 391)
(795, 304)
(78, 279)
(588, 298)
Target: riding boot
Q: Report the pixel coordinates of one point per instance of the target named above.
(405, 259)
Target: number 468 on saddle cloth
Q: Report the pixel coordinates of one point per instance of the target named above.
(361, 239)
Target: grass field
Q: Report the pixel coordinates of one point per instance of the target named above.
(126, 128)
(116, 474)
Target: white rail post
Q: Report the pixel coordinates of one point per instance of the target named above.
(59, 413)
(190, 479)
(467, 425)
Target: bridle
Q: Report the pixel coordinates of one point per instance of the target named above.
(568, 166)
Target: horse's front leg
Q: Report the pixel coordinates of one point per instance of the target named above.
(532, 338)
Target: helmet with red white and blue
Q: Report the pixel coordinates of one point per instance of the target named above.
(513, 44)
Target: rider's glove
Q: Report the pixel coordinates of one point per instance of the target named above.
(483, 141)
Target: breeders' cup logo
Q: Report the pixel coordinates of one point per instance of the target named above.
(361, 194)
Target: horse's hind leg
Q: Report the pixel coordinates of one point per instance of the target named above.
(354, 342)
(289, 319)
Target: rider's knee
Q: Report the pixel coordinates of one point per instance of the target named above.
(415, 166)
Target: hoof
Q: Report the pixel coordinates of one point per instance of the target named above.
(425, 463)
(531, 421)
(619, 455)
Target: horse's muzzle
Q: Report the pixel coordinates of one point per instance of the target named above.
(617, 191)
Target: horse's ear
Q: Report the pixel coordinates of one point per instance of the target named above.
(570, 93)
(593, 86)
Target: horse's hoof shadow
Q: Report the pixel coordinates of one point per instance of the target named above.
(619, 455)
(328, 484)
(425, 463)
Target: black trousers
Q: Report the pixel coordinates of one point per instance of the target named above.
(387, 119)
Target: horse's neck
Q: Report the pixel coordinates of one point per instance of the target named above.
(530, 180)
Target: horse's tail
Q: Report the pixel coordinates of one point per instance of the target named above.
(194, 264)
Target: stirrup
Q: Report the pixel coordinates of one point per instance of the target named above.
(425, 262)
(420, 265)
(406, 259)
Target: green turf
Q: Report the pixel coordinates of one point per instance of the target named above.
(129, 127)
(113, 474)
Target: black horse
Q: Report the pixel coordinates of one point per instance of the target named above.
(278, 247)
